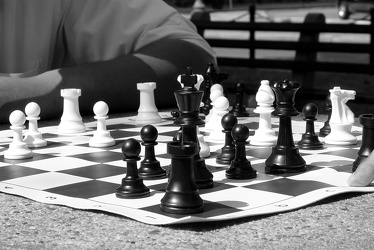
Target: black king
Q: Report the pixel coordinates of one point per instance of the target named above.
(188, 170)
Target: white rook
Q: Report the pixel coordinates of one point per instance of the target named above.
(147, 112)
(71, 120)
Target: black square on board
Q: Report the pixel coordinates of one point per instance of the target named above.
(96, 171)
(15, 171)
(288, 186)
(100, 157)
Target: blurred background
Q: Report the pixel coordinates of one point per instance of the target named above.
(351, 52)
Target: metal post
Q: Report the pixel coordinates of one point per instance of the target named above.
(252, 12)
(372, 36)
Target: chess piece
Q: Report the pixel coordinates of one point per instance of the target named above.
(309, 139)
(204, 147)
(221, 106)
(326, 129)
(239, 109)
(264, 135)
(71, 120)
(132, 185)
(285, 156)
(208, 82)
(33, 138)
(214, 94)
(17, 148)
(212, 80)
(217, 86)
(240, 167)
(228, 150)
(198, 5)
(367, 143)
(188, 100)
(342, 118)
(101, 137)
(147, 112)
(188, 171)
(181, 193)
(150, 167)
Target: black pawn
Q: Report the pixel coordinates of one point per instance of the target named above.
(150, 167)
(132, 185)
(181, 193)
(285, 156)
(228, 150)
(240, 110)
(309, 139)
(367, 143)
(326, 129)
(240, 167)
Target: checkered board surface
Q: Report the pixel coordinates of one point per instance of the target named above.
(69, 172)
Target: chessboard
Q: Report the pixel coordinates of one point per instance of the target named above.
(69, 172)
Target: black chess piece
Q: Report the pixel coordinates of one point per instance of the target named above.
(150, 167)
(240, 167)
(188, 100)
(239, 109)
(177, 136)
(132, 185)
(309, 139)
(211, 77)
(326, 129)
(228, 150)
(285, 156)
(367, 143)
(181, 193)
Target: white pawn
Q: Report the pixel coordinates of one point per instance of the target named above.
(101, 137)
(216, 86)
(71, 120)
(198, 5)
(33, 138)
(214, 94)
(221, 107)
(17, 148)
(147, 112)
(264, 135)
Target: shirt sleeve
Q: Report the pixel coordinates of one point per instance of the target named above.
(103, 30)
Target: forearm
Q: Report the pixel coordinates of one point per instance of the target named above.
(112, 81)
(364, 173)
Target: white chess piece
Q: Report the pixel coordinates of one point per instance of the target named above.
(214, 94)
(198, 5)
(342, 118)
(264, 135)
(33, 138)
(17, 148)
(101, 137)
(216, 86)
(204, 147)
(147, 112)
(71, 120)
(221, 107)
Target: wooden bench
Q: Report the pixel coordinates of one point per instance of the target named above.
(303, 66)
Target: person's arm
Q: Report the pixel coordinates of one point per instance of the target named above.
(364, 173)
(111, 81)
